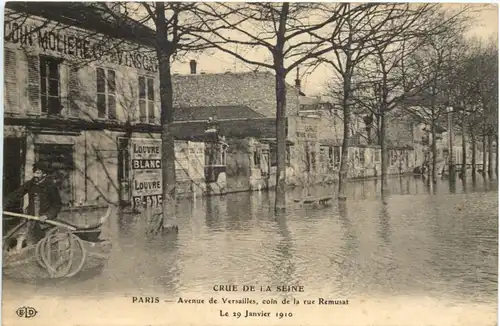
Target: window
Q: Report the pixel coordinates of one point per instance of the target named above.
(264, 163)
(273, 154)
(50, 85)
(146, 99)
(394, 157)
(215, 154)
(362, 156)
(106, 93)
(336, 156)
(256, 159)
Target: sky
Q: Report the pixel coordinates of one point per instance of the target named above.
(485, 26)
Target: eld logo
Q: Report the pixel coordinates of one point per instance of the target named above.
(26, 312)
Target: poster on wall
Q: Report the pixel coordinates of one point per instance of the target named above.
(146, 181)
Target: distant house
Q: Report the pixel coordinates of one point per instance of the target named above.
(257, 153)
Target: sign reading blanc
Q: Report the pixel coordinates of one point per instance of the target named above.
(146, 181)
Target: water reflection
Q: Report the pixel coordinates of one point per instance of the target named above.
(349, 254)
(406, 242)
(284, 271)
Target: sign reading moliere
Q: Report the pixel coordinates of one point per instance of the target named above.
(78, 44)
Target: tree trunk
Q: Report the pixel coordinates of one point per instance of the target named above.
(383, 153)
(464, 149)
(166, 116)
(490, 155)
(473, 143)
(484, 154)
(433, 149)
(280, 202)
(496, 157)
(379, 127)
(345, 141)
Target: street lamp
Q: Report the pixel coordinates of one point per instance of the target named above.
(451, 158)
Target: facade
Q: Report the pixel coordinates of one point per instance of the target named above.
(251, 157)
(92, 111)
(89, 103)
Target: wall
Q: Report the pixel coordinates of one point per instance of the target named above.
(77, 73)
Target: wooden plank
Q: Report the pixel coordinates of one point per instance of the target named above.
(31, 217)
(313, 200)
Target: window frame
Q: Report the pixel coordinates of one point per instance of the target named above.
(46, 80)
(109, 95)
(147, 96)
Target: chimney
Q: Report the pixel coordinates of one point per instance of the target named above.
(297, 84)
(297, 80)
(192, 64)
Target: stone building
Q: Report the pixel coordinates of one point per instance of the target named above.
(88, 103)
(253, 156)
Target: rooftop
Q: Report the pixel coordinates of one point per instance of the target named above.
(203, 113)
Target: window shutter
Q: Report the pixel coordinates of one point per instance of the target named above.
(11, 99)
(34, 84)
(73, 91)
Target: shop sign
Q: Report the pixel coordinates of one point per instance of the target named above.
(146, 177)
(307, 132)
(82, 45)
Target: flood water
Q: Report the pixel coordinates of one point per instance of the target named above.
(415, 241)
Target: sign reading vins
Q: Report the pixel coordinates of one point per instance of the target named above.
(146, 181)
(70, 42)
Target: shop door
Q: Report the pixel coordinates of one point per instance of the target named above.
(61, 159)
(13, 170)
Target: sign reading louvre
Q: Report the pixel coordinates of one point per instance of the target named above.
(78, 44)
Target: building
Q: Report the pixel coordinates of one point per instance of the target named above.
(73, 101)
(88, 103)
(252, 159)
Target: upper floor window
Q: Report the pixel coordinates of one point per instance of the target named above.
(146, 99)
(106, 93)
(50, 85)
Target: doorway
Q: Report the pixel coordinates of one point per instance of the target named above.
(60, 157)
(14, 150)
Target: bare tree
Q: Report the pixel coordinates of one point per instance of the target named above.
(368, 32)
(287, 32)
(429, 67)
(386, 81)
